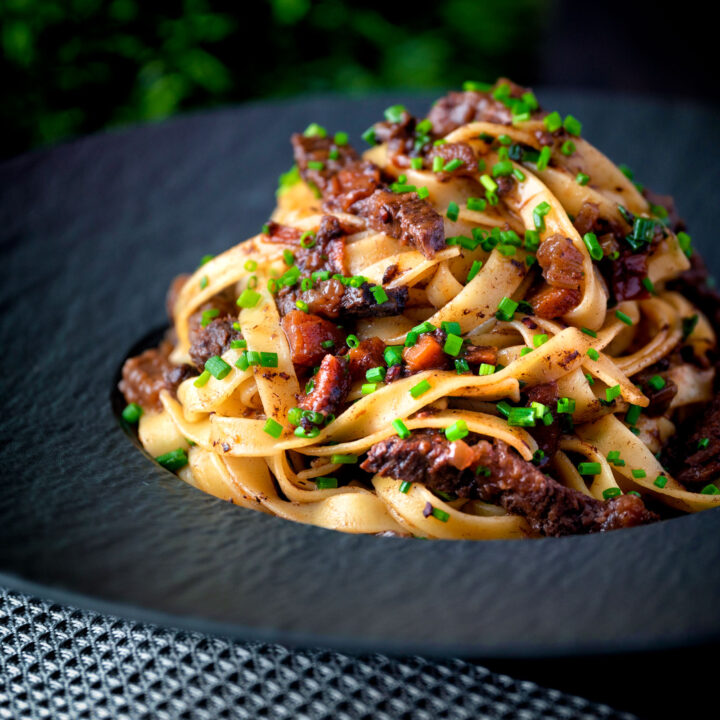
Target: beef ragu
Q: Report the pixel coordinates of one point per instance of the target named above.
(422, 340)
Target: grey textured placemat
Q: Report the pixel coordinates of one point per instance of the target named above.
(63, 663)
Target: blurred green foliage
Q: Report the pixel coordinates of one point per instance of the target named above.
(74, 66)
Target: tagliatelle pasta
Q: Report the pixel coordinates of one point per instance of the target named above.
(480, 329)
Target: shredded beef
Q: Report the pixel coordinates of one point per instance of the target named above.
(332, 299)
(456, 151)
(405, 217)
(561, 262)
(461, 108)
(306, 333)
(553, 302)
(213, 339)
(367, 355)
(550, 508)
(546, 436)
(332, 383)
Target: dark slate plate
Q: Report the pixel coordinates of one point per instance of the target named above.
(92, 233)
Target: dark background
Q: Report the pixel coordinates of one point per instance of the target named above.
(70, 67)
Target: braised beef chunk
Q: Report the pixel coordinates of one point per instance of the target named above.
(399, 136)
(213, 339)
(367, 355)
(561, 262)
(427, 353)
(691, 462)
(331, 386)
(146, 375)
(306, 334)
(546, 436)
(332, 299)
(660, 398)
(450, 152)
(352, 185)
(461, 108)
(479, 354)
(405, 217)
(328, 251)
(551, 302)
(315, 149)
(173, 292)
(282, 233)
(628, 273)
(494, 473)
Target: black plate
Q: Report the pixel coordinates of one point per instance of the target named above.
(93, 232)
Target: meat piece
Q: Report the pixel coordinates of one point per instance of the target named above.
(550, 508)
(213, 339)
(478, 354)
(628, 273)
(146, 375)
(282, 233)
(546, 436)
(173, 291)
(427, 353)
(352, 185)
(399, 136)
(332, 299)
(390, 272)
(315, 149)
(659, 399)
(551, 302)
(368, 354)
(405, 217)
(328, 252)
(456, 151)
(306, 333)
(561, 262)
(461, 108)
(588, 220)
(332, 383)
(689, 463)
(506, 185)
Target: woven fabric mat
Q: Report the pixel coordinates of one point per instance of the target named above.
(63, 663)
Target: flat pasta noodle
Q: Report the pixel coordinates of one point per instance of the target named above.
(420, 395)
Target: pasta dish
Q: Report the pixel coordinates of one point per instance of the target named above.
(479, 328)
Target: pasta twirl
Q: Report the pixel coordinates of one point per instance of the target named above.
(482, 328)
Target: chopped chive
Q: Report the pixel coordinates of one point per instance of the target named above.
(502, 168)
(132, 412)
(476, 204)
(474, 269)
(315, 130)
(593, 246)
(590, 379)
(461, 366)
(589, 332)
(307, 239)
(268, 359)
(250, 265)
(315, 164)
(582, 178)
(352, 341)
(457, 431)
(401, 429)
(539, 340)
(544, 158)
(521, 417)
(593, 354)
(622, 316)
(685, 242)
(638, 473)
(648, 285)
(423, 192)
(375, 375)
(273, 428)
(379, 294)
(553, 121)
(437, 164)
(612, 392)
(238, 344)
(203, 282)
(451, 327)
(656, 382)
(702, 443)
(453, 344)
(572, 125)
(325, 483)
(506, 309)
(486, 369)
(710, 490)
(611, 493)
(532, 240)
(368, 388)
(471, 85)
(504, 408)
(341, 138)
(566, 405)
(343, 459)
(289, 258)
(206, 259)
(660, 481)
(633, 414)
(411, 338)
(173, 460)
(302, 305)
(568, 148)
(416, 163)
(248, 298)
(453, 164)
(393, 355)
(452, 211)
(439, 514)
(369, 136)
(217, 367)
(589, 468)
(488, 183)
(394, 114)
(420, 389)
(525, 351)
(539, 213)
(207, 316)
(405, 487)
